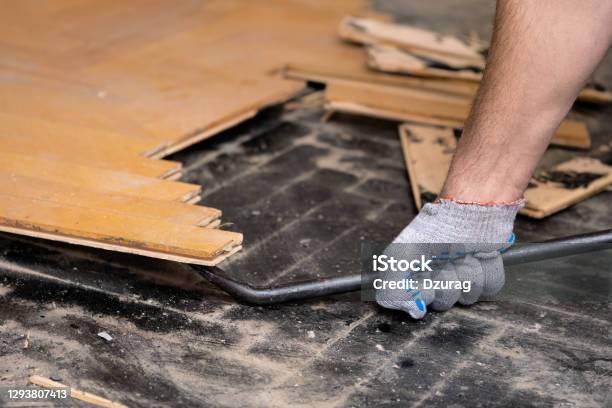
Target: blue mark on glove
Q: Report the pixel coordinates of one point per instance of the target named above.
(415, 294)
(511, 239)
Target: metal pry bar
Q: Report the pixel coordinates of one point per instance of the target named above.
(518, 254)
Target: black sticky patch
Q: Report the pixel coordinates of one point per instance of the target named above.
(569, 179)
(384, 327)
(412, 137)
(606, 158)
(357, 26)
(406, 363)
(457, 132)
(432, 63)
(428, 197)
(598, 86)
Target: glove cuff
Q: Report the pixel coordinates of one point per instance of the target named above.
(450, 221)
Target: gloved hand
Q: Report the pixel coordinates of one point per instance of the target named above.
(470, 236)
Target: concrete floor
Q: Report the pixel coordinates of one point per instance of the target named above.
(306, 194)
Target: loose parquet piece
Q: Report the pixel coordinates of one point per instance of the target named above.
(426, 107)
(428, 153)
(368, 31)
(136, 206)
(358, 74)
(116, 231)
(401, 100)
(400, 48)
(565, 185)
(395, 60)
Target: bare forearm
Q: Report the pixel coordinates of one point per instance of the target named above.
(541, 55)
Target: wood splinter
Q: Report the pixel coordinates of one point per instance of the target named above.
(75, 393)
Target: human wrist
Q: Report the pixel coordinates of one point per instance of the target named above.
(485, 192)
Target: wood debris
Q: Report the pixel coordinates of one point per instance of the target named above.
(435, 78)
(26, 341)
(75, 393)
(404, 49)
(428, 153)
(425, 107)
(564, 185)
(425, 42)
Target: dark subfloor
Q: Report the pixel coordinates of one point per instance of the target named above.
(306, 194)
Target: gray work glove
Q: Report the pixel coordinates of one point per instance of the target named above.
(467, 238)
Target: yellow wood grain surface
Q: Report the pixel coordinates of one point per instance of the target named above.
(120, 231)
(133, 205)
(92, 90)
(435, 108)
(85, 177)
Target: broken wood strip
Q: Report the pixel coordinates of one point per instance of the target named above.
(367, 31)
(444, 110)
(565, 185)
(391, 59)
(310, 100)
(171, 211)
(411, 101)
(357, 109)
(428, 153)
(117, 231)
(593, 95)
(85, 177)
(572, 133)
(359, 74)
(395, 60)
(75, 393)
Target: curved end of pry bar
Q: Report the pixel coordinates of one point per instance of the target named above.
(279, 294)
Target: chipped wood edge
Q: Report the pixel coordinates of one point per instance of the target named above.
(205, 134)
(375, 35)
(377, 60)
(215, 223)
(325, 76)
(358, 109)
(192, 197)
(595, 187)
(174, 173)
(414, 185)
